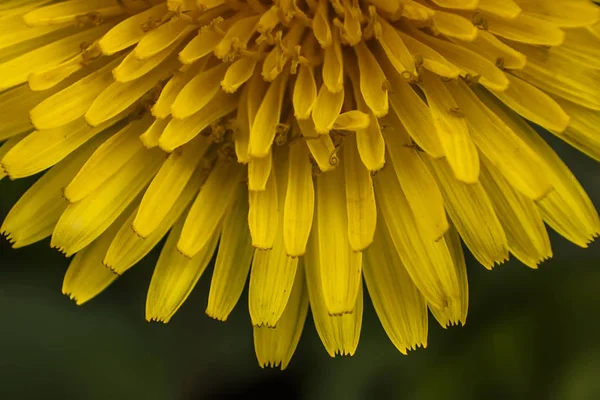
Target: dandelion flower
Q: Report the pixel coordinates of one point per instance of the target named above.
(309, 144)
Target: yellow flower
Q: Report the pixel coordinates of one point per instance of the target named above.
(313, 142)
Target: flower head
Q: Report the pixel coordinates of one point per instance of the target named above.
(310, 143)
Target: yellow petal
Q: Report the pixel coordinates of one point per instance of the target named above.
(180, 131)
(37, 211)
(372, 81)
(177, 172)
(353, 120)
(339, 334)
(321, 25)
(340, 267)
(84, 221)
(473, 215)
(5, 148)
(130, 31)
(164, 37)
(457, 311)
(305, 92)
(127, 248)
(17, 102)
(233, 260)
(533, 104)
(567, 208)
(400, 307)
(162, 107)
(556, 73)
(70, 11)
(238, 73)
(428, 263)
(320, 146)
(360, 198)
(119, 96)
(583, 129)
(267, 117)
(431, 59)
(151, 136)
(215, 197)
(42, 149)
(175, 276)
(419, 186)
(16, 70)
(526, 28)
(263, 217)
(273, 271)
(107, 160)
(525, 231)
(131, 68)
(519, 164)
(452, 130)
(326, 109)
(86, 276)
(473, 64)
(198, 92)
(259, 170)
(495, 50)
(72, 102)
(455, 26)
(201, 45)
(299, 201)
(333, 64)
(508, 9)
(239, 33)
(414, 114)
(395, 49)
(567, 14)
(371, 146)
(275, 346)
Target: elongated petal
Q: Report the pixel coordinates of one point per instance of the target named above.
(275, 346)
(233, 260)
(86, 276)
(175, 276)
(524, 227)
(428, 262)
(473, 215)
(299, 201)
(418, 184)
(128, 247)
(400, 307)
(208, 209)
(339, 333)
(510, 154)
(84, 221)
(35, 214)
(456, 312)
(107, 160)
(360, 198)
(340, 267)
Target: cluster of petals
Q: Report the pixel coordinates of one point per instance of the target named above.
(310, 144)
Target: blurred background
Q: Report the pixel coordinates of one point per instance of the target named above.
(529, 335)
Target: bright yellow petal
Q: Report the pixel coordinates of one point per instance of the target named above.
(275, 346)
(233, 260)
(175, 276)
(400, 307)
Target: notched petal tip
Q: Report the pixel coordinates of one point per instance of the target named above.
(163, 320)
(215, 316)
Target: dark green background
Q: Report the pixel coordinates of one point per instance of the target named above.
(530, 335)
